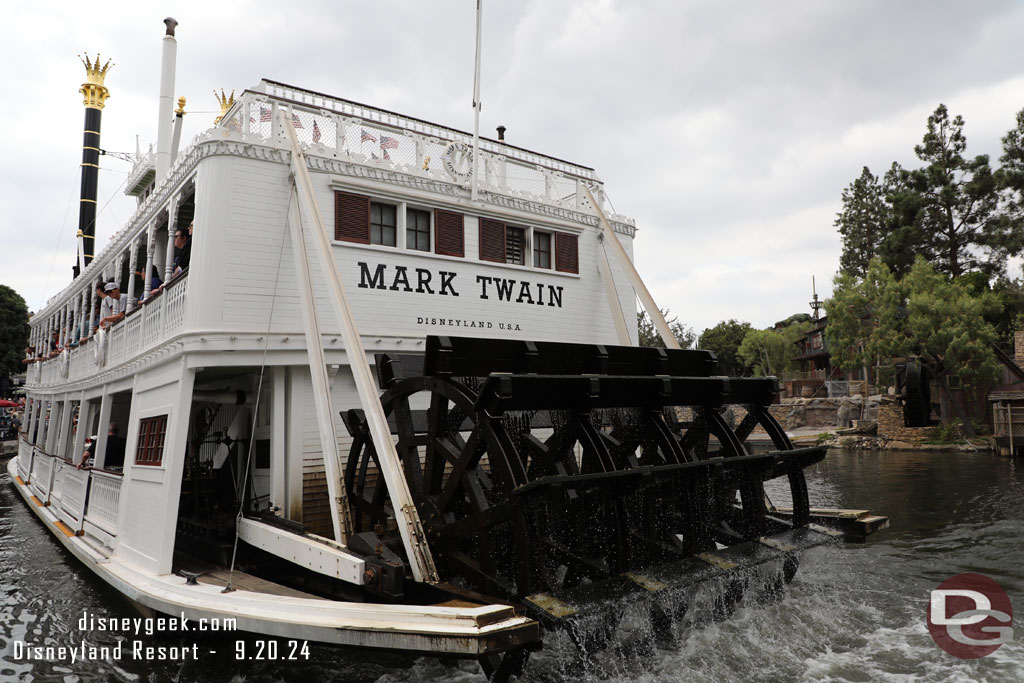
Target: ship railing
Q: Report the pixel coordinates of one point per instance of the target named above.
(116, 343)
(104, 497)
(332, 127)
(57, 487)
(42, 476)
(151, 323)
(26, 451)
(80, 498)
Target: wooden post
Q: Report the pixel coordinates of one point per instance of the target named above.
(409, 524)
(612, 242)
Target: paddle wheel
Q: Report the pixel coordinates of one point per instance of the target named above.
(547, 473)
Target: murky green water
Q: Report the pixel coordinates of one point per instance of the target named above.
(854, 612)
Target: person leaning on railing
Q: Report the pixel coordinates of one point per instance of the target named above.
(183, 243)
(113, 307)
(102, 296)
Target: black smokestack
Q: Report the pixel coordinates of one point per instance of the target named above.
(95, 94)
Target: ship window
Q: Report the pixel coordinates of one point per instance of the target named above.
(150, 450)
(449, 237)
(566, 253)
(492, 240)
(417, 229)
(541, 249)
(382, 224)
(351, 217)
(515, 246)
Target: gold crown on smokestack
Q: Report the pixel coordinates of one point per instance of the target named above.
(93, 90)
(225, 102)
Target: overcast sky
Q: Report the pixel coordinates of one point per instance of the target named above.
(727, 130)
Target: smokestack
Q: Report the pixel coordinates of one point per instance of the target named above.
(501, 133)
(95, 94)
(165, 114)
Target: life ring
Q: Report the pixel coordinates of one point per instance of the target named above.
(458, 160)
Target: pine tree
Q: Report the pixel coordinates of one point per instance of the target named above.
(959, 218)
(863, 222)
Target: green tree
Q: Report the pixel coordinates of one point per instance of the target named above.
(865, 319)
(14, 331)
(959, 221)
(725, 339)
(863, 223)
(903, 237)
(876, 318)
(649, 336)
(1009, 234)
(771, 351)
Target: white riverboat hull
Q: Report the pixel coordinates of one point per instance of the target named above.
(467, 632)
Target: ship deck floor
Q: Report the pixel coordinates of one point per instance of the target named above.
(215, 575)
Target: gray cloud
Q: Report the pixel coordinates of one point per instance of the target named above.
(728, 130)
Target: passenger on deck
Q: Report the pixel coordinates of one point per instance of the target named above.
(183, 243)
(114, 459)
(102, 296)
(154, 281)
(113, 306)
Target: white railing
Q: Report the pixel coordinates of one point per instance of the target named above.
(159, 318)
(133, 334)
(57, 487)
(174, 305)
(25, 454)
(376, 137)
(42, 476)
(152, 321)
(75, 493)
(103, 501)
(115, 343)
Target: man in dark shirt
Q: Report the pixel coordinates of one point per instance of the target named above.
(115, 450)
(183, 243)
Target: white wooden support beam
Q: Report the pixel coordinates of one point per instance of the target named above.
(612, 242)
(409, 524)
(320, 556)
(340, 515)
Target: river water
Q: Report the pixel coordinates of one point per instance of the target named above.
(855, 612)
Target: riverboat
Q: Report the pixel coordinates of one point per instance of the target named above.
(393, 401)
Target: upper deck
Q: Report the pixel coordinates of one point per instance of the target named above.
(233, 181)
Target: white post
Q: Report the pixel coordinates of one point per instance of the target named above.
(409, 524)
(476, 98)
(100, 452)
(147, 282)
(133, 258)
(339, 135)
(340, 515)
(278, 446)
(172, 224)
(612, 242)
(165, 109)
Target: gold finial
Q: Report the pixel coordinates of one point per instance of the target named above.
(225, 102)
(180, 111)
(93, 90)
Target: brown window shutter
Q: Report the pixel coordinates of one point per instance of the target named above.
(492, 240)
(448, 233)
(567, 257)
(351, 217)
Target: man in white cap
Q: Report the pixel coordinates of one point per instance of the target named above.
(113, 307)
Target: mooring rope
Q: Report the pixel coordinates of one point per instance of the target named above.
(259, 391)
